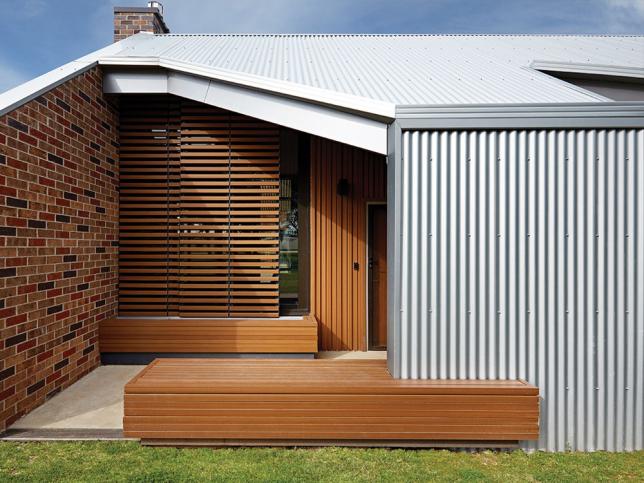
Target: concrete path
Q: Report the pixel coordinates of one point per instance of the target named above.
(94, 402)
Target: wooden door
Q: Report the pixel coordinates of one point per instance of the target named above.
(378, 277)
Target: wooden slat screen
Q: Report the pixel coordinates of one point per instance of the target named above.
(221, 206)
(254, 218)
(149, 176)
(204, 250)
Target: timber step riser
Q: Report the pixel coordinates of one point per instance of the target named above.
(258, 336)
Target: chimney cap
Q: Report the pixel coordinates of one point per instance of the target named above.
(157, 5)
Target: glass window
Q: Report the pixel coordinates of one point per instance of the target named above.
(289, 270)
(293, 220)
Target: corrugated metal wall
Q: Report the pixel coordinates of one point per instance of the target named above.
(522, 256)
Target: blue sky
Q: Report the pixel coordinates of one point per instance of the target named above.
(39, 35)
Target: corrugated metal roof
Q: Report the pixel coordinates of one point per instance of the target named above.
(403, 69)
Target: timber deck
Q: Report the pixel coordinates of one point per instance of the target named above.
(255, 400)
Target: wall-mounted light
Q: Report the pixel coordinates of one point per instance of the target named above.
(343, 187)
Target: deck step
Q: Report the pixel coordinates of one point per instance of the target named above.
(320, 400)
(163, 335)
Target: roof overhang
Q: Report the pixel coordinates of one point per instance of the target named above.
(364, 106)
(353, 127)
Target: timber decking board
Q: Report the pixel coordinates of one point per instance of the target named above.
(209, 335)
(320, 400)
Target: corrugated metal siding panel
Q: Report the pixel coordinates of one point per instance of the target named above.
(405, 69)
(523, 257)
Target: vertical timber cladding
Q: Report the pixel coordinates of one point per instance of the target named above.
(339, 239)
(199, 211)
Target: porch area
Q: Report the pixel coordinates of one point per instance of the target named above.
(312, 402)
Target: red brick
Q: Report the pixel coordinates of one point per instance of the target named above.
(53, 377)
(10, 391)
(19, 222)
(17, 319)
(27, 288)
(62, 315)
(15, 262)
(46, 181)
(6, 191)
(54, 293)
(26, 345)
(45, 355)
(8, 312)
(69, 352)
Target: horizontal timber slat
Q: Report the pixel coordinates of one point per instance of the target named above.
(274, 399)
(209, 335)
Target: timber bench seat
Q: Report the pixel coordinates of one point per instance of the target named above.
(177, 335)
(278, 400)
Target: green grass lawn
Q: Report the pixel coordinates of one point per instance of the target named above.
(127, 461)
(289, 282)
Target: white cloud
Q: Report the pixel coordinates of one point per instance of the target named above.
(10, 76)
(623, 16)
(636, 6)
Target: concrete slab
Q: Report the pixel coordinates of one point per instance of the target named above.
(94, 402)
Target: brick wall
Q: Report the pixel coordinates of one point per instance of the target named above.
(58, 234)
(132, 20)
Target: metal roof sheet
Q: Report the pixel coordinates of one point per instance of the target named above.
(403, 69)
(373, 74)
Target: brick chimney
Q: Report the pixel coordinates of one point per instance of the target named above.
(132, 20)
